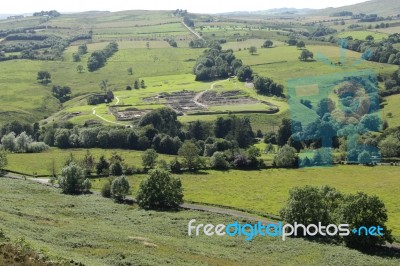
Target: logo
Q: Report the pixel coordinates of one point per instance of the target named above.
(250, 231)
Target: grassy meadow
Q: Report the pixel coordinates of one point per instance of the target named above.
(266, 191)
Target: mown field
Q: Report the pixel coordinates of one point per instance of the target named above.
(97, 231)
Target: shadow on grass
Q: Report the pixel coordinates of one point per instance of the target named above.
(387, 251)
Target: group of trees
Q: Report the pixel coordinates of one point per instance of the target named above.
(171, 42)
(312, 205)
(51, 13)
(382, 51)
(188, 21)
(267, 86)
(216, 63)
(99, 58)
(21, 143)
(321, 134)
(199, 43)
(63, 94)
(392, 84)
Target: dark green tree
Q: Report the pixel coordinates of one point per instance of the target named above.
(160, 191)
(253, 50)
(362, 210)
(102, 165)
(306, 55)
(44, 77)
(267, 44)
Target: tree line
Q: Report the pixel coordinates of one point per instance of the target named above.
(99, 58)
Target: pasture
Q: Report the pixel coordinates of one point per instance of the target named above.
(266, 191)
(96, 231)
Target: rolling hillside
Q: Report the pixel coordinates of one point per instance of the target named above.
(380, 7)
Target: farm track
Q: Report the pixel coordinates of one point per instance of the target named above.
(105, 119)
(192, 31)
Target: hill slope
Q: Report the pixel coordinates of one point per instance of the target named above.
(380, 7)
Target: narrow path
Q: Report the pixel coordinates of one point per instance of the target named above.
(105, 119)
(200, 94)
(192, 31)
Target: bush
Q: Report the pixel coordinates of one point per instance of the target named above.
(218, 161)
(72, 179)
(286, 158)
(3, 161)
(175, 166)
(119, 188)
(106, 189)
(160, 191)
(37, 147)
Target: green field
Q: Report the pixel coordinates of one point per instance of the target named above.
(361, 35)
(96, 231)
(41, 163)
(282, 63)
(266, 191)
(393, 108)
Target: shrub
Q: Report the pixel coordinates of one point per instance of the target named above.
(175, 166)
(218, 161)
(160, 191)
(106, 189)
(37, 147)
(286, 158)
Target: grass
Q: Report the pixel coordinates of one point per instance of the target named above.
(362, 34)
(96, 231)
(266, 191)
(41, 163)
(282, 63)
(391, 106)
